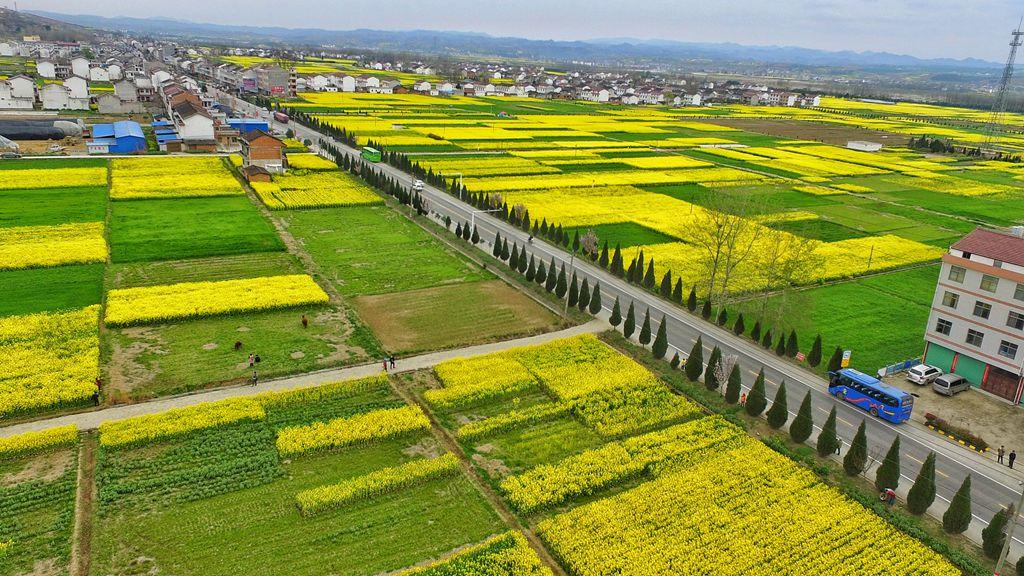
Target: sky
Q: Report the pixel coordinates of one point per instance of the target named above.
(923, 28)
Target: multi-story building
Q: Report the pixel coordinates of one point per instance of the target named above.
(976, 325)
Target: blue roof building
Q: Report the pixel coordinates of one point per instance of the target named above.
(244, 125)
(123, 137)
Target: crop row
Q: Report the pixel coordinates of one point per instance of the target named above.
(512, 420)
(178, 421)
(132, 306)
(341, 432)
(383, 481)
(585, 473)
(41, 441)
(506, 554)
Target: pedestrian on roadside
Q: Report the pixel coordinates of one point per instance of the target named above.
(999, 454)
(1013, 456)
(743, 399)
(305, 321)
(392, 359)
(839, 445)
(255, 378)
(99, 383)
(385, 363)
(252, 359)
(96, 398)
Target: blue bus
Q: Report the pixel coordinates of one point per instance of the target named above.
(871, 394)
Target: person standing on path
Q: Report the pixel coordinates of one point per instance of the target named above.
(999, 454)
(385, 363)
(392, 361)
(255, 378)
(1013, 456)
(252, 359)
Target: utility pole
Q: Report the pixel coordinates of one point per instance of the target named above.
(1009, 533)
(995, 122)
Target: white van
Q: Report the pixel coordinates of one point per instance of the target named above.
(950, 384)
(923, 374)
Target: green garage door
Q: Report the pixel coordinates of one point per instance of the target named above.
(971, 369)
(939, 356)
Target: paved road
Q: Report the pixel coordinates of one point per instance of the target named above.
(993, 486)
(91, 420)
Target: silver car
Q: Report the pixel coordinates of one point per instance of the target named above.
(950, 384)
(923, 374)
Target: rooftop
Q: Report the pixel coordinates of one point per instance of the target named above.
(993, 244)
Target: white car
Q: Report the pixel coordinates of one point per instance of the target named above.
(923, 374)
(417, 185)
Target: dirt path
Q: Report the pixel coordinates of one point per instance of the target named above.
(481, 485)
(81, 548)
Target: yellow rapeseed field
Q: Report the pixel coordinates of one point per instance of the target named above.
(171, 177)
(40, 246)
(148, 304)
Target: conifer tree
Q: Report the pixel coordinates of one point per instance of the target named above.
(803, 424)
(531, 269)
(666, 285)
(560, 286)
(603, 260)
(856, 458)
(542, 273)
(574, 291)
(734, 385)
(888, 473)
(958, 516)
(780, 348)
(922, 493)
(660, 346)
(675, 361)
(738, 328)
(645, 329)
(496, 250)
(994, 536)
(630, 325)
(814, 357)
(505, 254)
(755, 332)
(523, 262)
(695, 361)
(766, 340)
(711, 370)
(475, 238)
(616, 317)
(723, 316)
(584, 299)
(779, 412)
(828, 440)
(552, 279)
(513, 260)
(691, 300)
(705, 310)
(595, 300)
(792, 347)
(649, 276)
(631, 272)
(458, 230)
(616, 263)
(756, 400)
(836, 361)
(677, 292)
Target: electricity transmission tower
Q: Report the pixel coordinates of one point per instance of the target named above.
(999, 105)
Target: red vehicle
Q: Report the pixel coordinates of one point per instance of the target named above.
(281, 117)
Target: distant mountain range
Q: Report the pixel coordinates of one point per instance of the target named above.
(466, 44)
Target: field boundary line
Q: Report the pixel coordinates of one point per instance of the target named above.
(478, 482)
(85, 496)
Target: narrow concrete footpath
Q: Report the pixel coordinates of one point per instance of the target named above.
(91, 420)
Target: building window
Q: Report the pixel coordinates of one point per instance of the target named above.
(1019, 292)
(943, 326)
(1008, 349)
(974, 338)
(950, 299)
(989, 283)
(982, 309)
(1015, 320)
(957, 273)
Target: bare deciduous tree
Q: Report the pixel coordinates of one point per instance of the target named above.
(588, 242)
(727, 234)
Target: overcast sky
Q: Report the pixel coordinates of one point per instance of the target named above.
(925, 28)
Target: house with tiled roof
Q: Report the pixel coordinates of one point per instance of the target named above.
(976, 325)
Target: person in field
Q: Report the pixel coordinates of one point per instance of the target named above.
(305, 321)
